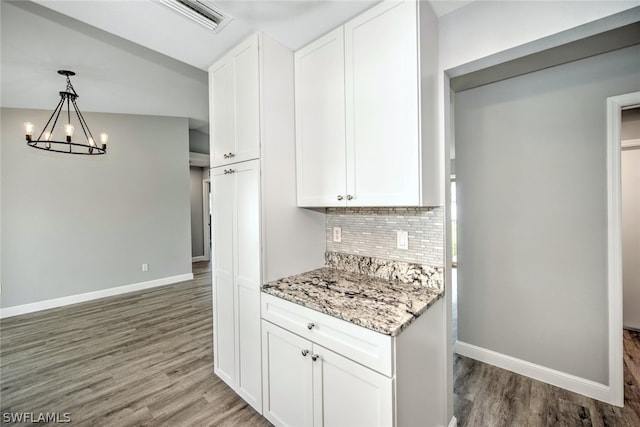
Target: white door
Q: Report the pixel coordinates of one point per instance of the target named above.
(246, 248)
(320, 122)
(224, 323)
(287, 377)
(381, 82)
(346, 394)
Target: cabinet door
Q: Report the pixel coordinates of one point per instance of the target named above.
(246, 249)
(236, 278)
(234, 105)
(346, 393)
(320, 122)
(224, 330)
(221, 112)
(381, 81)
(287, 383)
(246, 100)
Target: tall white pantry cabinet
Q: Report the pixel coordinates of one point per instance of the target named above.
(258, 234)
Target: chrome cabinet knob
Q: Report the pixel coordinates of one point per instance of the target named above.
(340, 197)
(229, 171)
(314, 357)
(311, 325)
(305, 352)
(349, 197)
(226, 156)
(231, 155)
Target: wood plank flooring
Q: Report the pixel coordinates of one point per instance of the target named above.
(145, 358)
(488, 396)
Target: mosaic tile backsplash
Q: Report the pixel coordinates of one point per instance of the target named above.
(372, 232)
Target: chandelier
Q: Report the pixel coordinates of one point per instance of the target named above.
(47, 138)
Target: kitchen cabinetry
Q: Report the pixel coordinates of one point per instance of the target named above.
(258, 234)
(322, 371)
(236, 271)
(320, 122)
(378, 89)
(234, 105)
(309, 385)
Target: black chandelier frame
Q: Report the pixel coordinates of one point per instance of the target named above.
(68, 97)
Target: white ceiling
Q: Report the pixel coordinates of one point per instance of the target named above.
(153, 25)
(149, 23)
(140, 57)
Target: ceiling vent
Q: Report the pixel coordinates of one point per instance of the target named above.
(201, 11)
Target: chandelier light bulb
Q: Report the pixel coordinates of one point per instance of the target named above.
(68, 131)
(104, 138)
(28, 130)
(91, 142)
(47, 137)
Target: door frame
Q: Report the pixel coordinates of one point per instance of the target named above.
(206, 229)
(615, 105)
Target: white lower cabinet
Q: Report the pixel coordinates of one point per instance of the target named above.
(319, 370)
(306, 384)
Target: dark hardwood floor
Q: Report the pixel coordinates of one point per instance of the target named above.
(145, 358)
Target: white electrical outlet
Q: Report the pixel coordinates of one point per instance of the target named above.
(145, 267)
(337, 234)
(403, 240)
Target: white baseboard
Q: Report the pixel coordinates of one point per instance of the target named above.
(199, 258)
(541, 373)
(74, 299)
(453, 422)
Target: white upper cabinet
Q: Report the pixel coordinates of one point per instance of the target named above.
(320, 122)
(381, 81)
(381, 116)
(234, 105)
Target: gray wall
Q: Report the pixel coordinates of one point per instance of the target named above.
(76, 224)
(631, 220)
(198, 142)
(114, 75)
(532, 213)
(197, 234)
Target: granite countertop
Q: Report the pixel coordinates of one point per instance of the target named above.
(380, 305)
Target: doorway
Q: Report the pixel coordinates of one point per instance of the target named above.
(206, 217)
(615, 107)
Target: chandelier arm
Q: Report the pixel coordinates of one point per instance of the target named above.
(57, 109)
(83, 123)
(69, 120)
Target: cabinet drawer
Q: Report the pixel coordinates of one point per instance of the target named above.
(369, 348)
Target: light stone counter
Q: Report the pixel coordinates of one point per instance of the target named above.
(374, 303)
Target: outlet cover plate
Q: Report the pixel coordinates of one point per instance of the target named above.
(402, 240)
(337, 234)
